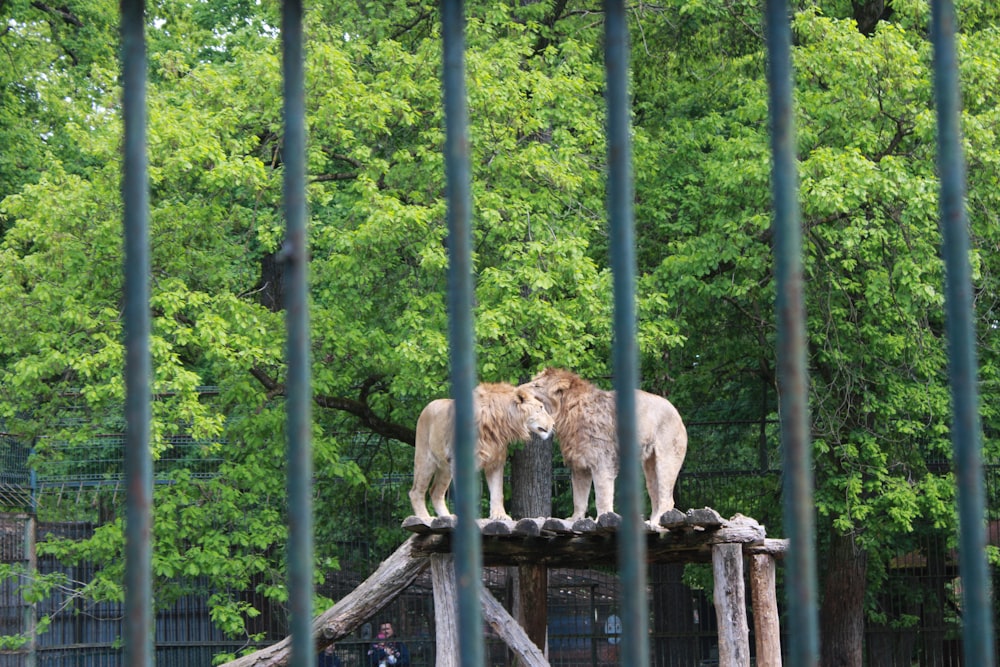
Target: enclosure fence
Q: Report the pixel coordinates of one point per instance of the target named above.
(914, 618)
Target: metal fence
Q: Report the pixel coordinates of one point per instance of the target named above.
(913, 615)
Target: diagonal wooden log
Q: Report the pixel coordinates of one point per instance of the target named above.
(446, 620)
(391, 578)
(511, 633)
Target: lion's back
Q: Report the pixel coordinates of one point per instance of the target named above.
(435, 429)
(660, 428)
(586, 428)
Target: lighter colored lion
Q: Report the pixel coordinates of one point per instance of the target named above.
(504, 414)
(586, 430)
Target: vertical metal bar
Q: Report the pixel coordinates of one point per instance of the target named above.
(298, 400)
(138, 630)
(791, 353)
(977, 632)
(467, 549)
(30, 617)
(631, 537)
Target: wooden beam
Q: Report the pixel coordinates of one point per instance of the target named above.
(730, 605)
(445, 610)
(586, 543)
(531, 590)
(767, 636)
(511, 633)
(446, 619)
(392, 577)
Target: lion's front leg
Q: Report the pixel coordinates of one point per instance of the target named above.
(604, 492)
(581, 478)
(494, 481)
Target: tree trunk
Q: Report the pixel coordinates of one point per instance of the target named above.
(531, 496)
(531, 479)
(842, 620)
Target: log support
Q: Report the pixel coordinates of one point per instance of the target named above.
(533, 545)
(730, 605)
(767, 635)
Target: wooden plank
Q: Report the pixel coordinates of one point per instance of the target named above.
(528, 527)
(730, 605)
(706, 518)
(496, 527)
(445, 610)
(767, 635)
(673, 519)
(769, 546)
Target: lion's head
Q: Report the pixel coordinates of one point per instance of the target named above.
(550, 385)
(535, 417)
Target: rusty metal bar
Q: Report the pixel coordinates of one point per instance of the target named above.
(977, 616)
(629, 485)
(138, 630)
(298, 402)
(793, 383)
(467, 547)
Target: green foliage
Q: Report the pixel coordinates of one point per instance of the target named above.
(379, 251)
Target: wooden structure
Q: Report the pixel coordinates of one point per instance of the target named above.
(695, 536)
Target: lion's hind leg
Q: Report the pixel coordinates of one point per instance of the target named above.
(581, 479)
(656, 504)
(661, 475)
(421, 480)
(442, 480)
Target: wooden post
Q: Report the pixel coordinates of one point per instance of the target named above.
(531, 602)
(730, 605)
(531, 468)
(767, 635)
(445, 610)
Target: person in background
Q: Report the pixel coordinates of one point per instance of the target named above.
(327, 658)
(388, 653)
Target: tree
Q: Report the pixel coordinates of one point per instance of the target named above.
(378, 264)
(879, 396)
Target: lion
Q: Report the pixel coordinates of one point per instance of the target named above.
(586, 430)
(503, 413)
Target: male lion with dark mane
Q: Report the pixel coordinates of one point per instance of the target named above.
(504, 414)
(585, 419)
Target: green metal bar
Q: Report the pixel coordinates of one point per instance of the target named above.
(138, 630)
(628, 487)
(467, 547)
(977, 631)
(793, 382)
(299, 399)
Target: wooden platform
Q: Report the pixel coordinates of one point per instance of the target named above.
(682, 538)
(534, 545)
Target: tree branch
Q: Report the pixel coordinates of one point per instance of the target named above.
(339, 176)
(62, 12)
(357, 408)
